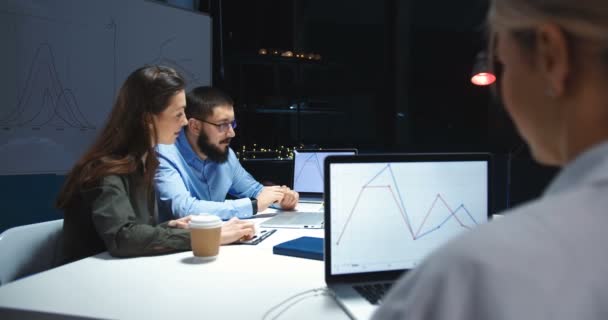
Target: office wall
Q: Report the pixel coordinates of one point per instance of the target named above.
(28, 199)
(63, 62)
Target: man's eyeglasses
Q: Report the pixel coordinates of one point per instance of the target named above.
(222, 127)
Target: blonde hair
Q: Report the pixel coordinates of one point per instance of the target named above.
(581, 19)
(587, 19)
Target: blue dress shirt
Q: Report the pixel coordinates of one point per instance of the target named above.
(186, 184)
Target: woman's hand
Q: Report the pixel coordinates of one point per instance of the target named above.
(181, 223)
(235, 229)
(232, 230)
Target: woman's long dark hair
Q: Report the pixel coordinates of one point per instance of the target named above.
(129, 133)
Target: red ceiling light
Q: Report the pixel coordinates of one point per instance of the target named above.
(483, 79)
(482, 75)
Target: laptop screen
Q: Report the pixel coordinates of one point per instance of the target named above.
(388, 212)
(308, 173)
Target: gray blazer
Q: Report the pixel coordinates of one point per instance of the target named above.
(547, 259)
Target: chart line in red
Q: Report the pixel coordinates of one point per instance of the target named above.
(400, 203)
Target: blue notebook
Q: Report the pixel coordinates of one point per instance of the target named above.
(303, 247)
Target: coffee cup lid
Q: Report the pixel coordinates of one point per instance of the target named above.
(205, 221)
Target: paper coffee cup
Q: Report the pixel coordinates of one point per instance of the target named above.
(205, 232)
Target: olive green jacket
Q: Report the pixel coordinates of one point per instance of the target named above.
(115, 216)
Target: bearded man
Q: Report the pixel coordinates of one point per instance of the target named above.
(197, 172)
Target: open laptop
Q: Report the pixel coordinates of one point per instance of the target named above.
(296, 219)
(308, 178)
(308, 173)
(385, 213)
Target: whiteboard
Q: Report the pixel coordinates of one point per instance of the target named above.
(64, 60)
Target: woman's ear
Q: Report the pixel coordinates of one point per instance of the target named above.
(553, 57)
(148, 120)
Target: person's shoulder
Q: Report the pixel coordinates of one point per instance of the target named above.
(233, 160)
(114, 180)
(232, 154)
(109, 183)
(517, 256)
(166, 149)
(168, 152)
(504, 240)
(480, 242)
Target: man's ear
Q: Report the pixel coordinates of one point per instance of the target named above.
(553, 57)
(194, 126)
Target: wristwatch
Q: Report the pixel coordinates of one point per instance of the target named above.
(254, 205)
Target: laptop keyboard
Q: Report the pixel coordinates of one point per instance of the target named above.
(373, 292)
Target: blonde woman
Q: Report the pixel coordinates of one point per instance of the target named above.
(546, 259)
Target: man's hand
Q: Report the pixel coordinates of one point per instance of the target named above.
(290, 198)
(268, 196)
(235, 229)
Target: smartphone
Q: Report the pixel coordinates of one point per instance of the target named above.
(259, 237)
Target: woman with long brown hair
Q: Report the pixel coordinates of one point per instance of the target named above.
(108, 198)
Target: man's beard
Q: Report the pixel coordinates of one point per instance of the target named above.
(214, 153)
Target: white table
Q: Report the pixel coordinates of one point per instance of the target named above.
(244, 282)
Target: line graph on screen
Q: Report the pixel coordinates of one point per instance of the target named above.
(438, 209)
(310, 167)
